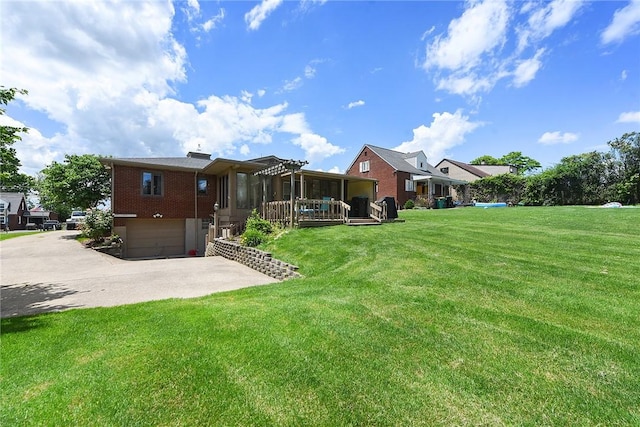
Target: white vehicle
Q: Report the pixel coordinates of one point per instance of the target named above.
(77, 217)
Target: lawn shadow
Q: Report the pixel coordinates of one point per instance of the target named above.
(25, 299)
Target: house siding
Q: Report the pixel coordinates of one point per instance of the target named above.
(456, 172)
(378, 169)
(178, 194)
(390, 181)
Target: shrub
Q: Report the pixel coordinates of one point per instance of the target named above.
(255, 222)
(253, 237)
(97, 225)
(422, 201)
(257, 230)
(409, 204)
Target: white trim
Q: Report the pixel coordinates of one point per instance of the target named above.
(125, 215)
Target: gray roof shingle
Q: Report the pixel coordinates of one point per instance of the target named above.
(398, 161)
(191, 163)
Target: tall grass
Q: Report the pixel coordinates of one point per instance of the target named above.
(455, 317)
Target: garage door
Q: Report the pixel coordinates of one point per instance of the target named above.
(155, 238)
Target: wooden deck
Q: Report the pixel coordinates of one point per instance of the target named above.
(306, 212)
(319, 213)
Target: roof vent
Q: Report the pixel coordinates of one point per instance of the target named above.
(195, 155)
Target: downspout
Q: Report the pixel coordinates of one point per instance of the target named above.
(113, 174)
(195, 209)
(293, 191)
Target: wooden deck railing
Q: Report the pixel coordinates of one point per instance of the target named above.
(306, 211)
(378, 211)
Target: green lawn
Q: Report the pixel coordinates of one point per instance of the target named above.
(5, 236)
(520, 316)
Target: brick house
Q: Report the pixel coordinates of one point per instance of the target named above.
(13, 211)
(163, 206)
(403, 176)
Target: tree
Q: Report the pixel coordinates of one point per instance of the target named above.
(515, 158)
(80, 182)
(10, 178)
(524, 164)
(626, 169)
(505, 187)
(582, 179)
(485, 160)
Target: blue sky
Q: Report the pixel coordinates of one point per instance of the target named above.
(317, 80)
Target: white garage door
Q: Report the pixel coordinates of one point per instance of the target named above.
(155, 238)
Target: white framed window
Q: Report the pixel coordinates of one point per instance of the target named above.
(364, 166)
(409, 185)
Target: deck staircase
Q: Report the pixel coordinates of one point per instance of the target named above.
(362, 221)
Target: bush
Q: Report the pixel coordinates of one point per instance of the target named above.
(255, 222)
(409, 204)
(253, 238)
(257, 230)
(97, 225)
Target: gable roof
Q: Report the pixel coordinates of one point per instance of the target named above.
(469, 168)
(184, 163)
(13, 201)
(398, 161)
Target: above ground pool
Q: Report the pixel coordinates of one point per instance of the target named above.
(491, 205)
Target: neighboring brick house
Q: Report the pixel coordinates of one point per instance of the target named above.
(470, 173)
(13, 211)
(403, 176)
(38, 216)
(162, 207)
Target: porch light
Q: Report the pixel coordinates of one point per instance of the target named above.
(157, 215)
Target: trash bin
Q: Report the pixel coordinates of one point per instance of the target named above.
(449, 201)
(440, 203)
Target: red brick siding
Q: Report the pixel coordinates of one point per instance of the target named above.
(177, 200)
(405, 195)
(390, 182)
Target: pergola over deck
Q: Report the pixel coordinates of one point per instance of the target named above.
(314, 198)
(280, 168)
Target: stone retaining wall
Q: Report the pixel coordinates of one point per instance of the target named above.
(251, 257)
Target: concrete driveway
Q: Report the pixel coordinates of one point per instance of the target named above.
(51, 271)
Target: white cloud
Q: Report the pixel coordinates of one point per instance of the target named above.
(468, 84)
(111, 92)
(335, 169)
(544, 20)
(290, 85)
(34, 150)
(316, 147)
(259, 13)
(261, 92)
(446, 131)
(479, 31)
(629, 117)
(474, 54)
(309, 72)
(213, 22)
(551, 138)
(623, 75)
(245, 150)
(305, 5)
(294, 123)
(427, 33)
(625, 23)
(246, 96)
(354, 104)
(526, 70)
